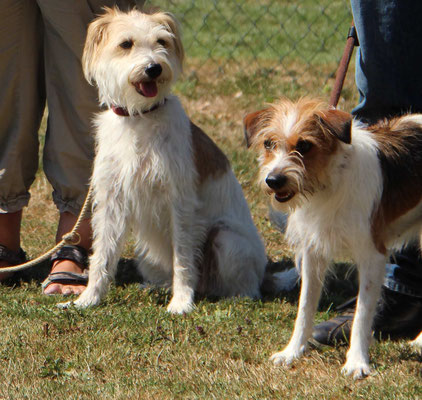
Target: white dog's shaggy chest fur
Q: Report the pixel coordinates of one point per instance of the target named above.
(159, 175)
(350, 191)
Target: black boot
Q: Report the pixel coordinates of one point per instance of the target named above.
(397, 316)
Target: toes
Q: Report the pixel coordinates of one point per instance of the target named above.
(69, 290)
(65, 305)
(78, 289)
(181, 303)
(176, 307)
(359, 371)
(278, 359)
(53, 288)
(287, 356)
(65, 290)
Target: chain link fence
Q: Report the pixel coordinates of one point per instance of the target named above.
(298, 42)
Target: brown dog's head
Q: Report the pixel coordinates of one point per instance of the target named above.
(296, 143)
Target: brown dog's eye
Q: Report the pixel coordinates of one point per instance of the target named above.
(303, 146)
(162, 42)
(127, 44)
(269, 144)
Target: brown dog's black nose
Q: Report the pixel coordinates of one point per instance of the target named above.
(153, 70)
(276, 181)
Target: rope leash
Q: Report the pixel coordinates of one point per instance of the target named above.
(71, 237)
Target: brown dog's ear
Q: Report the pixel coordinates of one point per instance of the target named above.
(338, 123)
(251, 125)
(97, 31)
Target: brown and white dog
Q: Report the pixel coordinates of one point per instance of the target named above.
(351, 191)
(159, 175)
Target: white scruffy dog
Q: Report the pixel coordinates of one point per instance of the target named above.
(159, 175)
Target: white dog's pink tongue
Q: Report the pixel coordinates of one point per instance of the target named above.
(149, 89)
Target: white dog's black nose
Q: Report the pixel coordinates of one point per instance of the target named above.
(276, 181)
(153, 70)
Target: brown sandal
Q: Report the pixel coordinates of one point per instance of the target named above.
(74, 253)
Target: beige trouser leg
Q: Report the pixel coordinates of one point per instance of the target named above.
(72, 102)
(41, 44)
(21, 99)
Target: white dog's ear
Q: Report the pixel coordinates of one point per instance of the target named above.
(251, 125)
(338, 123)
(172, 25)
(96, 34)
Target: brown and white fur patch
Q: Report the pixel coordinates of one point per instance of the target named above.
(158, 175)
(351, 191)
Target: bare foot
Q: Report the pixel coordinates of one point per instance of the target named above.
(60, 288)
(66, 223)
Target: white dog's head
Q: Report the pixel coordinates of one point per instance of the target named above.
(297, 142)
(133, 57)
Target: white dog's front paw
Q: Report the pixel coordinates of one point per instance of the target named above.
(180, 305)
(287, 356)
(87, 300)
(83, 301)
(65, 305)
(357, 369)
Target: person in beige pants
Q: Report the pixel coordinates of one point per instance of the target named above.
(41, 43)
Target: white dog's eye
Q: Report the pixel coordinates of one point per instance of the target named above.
(269, 144)
(127, 44)
(162, 42)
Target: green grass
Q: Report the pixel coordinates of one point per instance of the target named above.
(129, 347)
(248, 30)
(266, 48)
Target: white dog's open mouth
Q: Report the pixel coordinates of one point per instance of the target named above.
(146, 89)
(282, 197)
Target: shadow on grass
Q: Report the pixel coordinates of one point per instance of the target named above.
(340, 285)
